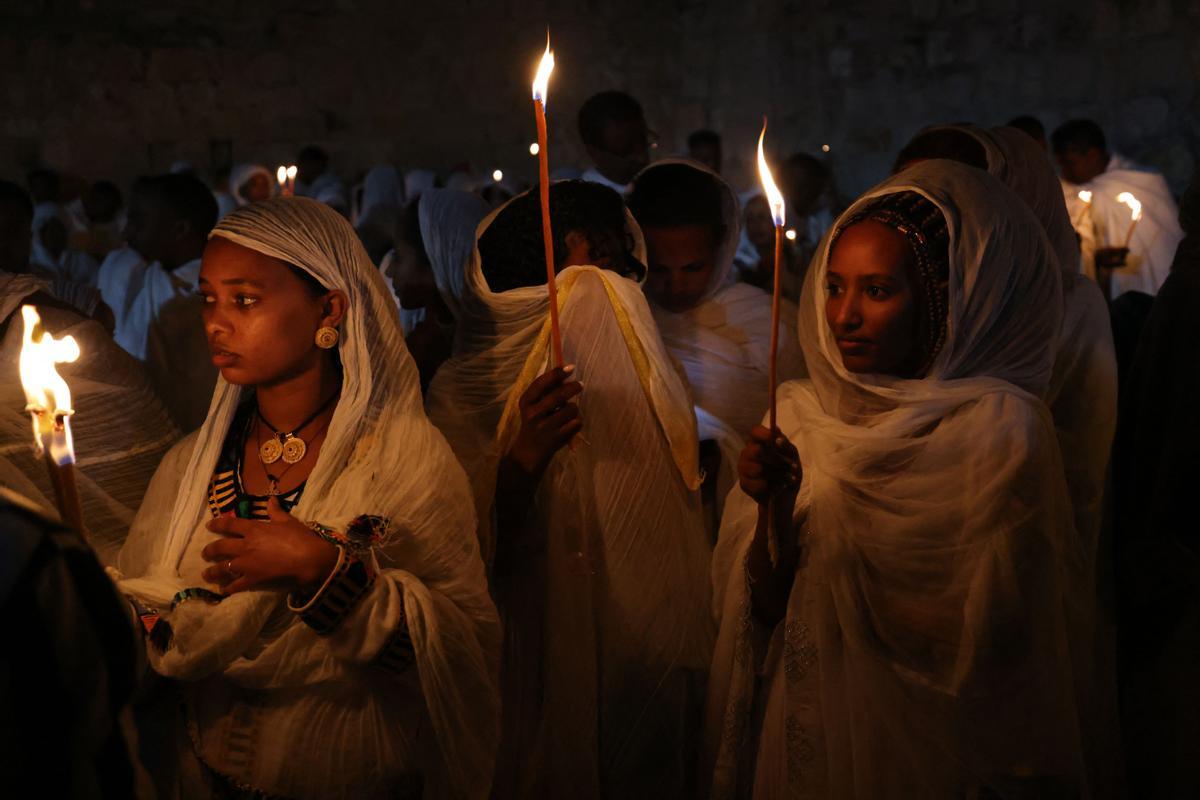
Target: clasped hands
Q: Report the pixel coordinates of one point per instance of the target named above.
(281, 554)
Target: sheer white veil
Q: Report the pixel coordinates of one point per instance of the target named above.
(927, 642)
(381, 456)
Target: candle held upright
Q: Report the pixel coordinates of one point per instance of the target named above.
(540, 86)
(775, 201)
(48, 401)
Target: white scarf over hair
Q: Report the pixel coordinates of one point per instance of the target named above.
(724, 343)
(381, 456)
(120, 428)
(927, 647)
(1083, 386)
(616, 640)
(240, 175)
(448, 219)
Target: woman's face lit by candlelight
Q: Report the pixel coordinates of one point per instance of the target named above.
(870, 302)
(261, 317)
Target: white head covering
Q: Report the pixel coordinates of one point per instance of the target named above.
(429, 557)
(731, 217)
(623, 494)
(240, 175)
(926, 644)
(382, 198)
(448, 220)
(1017, 161)
(1083, 386)
(121, 430)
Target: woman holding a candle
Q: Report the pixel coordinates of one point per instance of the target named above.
(911, 636)
(585, 480)
(306, 562)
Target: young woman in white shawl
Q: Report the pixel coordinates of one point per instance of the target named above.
(720, 331)
(306, 563)
(905, 631)
(599, 556)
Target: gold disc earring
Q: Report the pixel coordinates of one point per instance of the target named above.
(327, 338)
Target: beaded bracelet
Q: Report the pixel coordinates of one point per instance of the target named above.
(324, 610)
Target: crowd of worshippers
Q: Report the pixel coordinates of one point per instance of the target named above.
(352, 531)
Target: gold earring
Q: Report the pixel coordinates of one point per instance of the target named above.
(327, 338)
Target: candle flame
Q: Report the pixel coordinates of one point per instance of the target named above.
(1135, 205)
(291, 172)
(281, 175)
(1085, 196)
(791, 234)
(533, 149)
(498, 176)
(774, 196)
(542, 80)
(47, 396)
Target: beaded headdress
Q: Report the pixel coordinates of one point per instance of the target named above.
(924, 228)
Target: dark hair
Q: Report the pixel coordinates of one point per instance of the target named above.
(602, 108)
(511, 248)
(1079, 135)
(949, 143)
(186, 197)
(14, 194)
(677, 194)
(311, 283)
(704, 136)
(1029, 125)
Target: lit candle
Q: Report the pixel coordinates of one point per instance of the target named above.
(281, 179)
(1135, 213)
(48, 401)
(1085, 197)
(291, 180)
(775, 201)
(540, 84)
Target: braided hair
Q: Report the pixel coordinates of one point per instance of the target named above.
(511, 249)
(924, 227)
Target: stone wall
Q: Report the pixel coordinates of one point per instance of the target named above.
(119, 87)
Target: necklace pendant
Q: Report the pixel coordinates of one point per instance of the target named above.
(294, 449)
(270, 451)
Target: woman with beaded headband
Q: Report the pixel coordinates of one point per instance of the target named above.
(905, 628)
(305, 564)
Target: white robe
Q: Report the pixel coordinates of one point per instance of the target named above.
(271, 704)
(607, 623)
(939, 600)
(1105, 223)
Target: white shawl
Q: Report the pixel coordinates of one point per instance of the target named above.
(927, 646)
(357, 727)
(625, 621)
